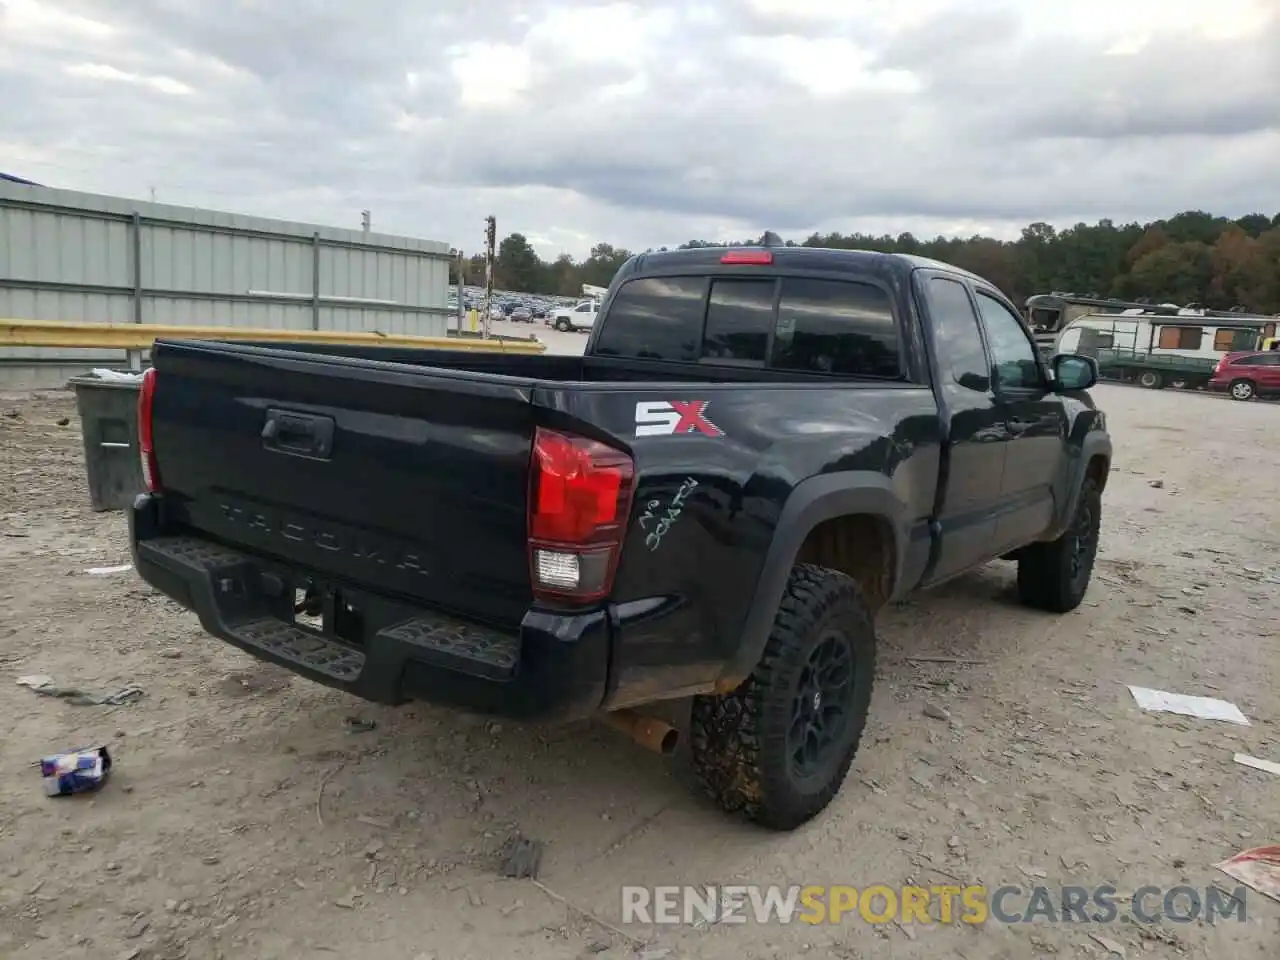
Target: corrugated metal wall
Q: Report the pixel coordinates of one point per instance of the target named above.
(84, 257)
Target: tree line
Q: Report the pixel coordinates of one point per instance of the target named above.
(1190, 258)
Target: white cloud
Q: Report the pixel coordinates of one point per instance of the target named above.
(102, 71)
(649, 123)
(36, 21)
(491, 74)
(825, 67)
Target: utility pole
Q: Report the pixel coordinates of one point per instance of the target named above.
(365, 220)
(490, 243)
(462, 283)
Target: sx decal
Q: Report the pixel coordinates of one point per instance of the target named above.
(666, 418)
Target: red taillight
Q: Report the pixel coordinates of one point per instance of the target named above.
(146, 442)
(579, 501)
(748, 258)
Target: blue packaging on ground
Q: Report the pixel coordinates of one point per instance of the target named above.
(76, 771)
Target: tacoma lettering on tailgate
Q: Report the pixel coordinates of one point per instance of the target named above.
(324, 536)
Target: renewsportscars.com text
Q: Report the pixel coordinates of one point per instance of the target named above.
(971, 904)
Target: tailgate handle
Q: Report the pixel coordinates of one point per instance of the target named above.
(298, 434)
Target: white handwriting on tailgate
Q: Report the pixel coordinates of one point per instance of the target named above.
(663, 520)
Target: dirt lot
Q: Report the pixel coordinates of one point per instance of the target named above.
(246, 819)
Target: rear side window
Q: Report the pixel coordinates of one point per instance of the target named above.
(836, 326)
(739, 316)
(959, 339)
(655, 318)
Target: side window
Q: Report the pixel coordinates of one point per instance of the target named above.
(836, 326)
(1012, 350)
(1228, 339)
(655, 318)
(1097, 340)
(959, 339)
(739, 315)
(1180, 338)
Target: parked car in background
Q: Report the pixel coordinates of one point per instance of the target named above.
(521, 315)
(1245, 375)
(581, 316)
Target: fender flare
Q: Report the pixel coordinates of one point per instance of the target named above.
(1095, 444)
(810, 503)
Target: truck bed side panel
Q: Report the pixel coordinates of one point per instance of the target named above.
(707, 507)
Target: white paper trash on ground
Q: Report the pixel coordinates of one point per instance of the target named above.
(108, 571)
(1206, 708)
(1267, 766)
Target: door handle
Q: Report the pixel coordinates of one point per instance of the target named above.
(298, 434)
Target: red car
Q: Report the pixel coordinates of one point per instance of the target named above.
(1246, 375)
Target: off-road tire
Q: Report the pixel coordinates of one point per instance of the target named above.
(1242, 389)
(738, 742)
(1047, 577)
(564, 326)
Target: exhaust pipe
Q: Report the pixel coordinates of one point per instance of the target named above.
(649, 732)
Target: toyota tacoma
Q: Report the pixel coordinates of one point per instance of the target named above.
(760, 448)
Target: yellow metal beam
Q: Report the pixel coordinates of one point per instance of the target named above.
(140, 336)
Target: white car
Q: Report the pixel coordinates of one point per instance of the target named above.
(581, 316)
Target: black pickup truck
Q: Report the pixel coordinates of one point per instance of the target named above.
(761, 447)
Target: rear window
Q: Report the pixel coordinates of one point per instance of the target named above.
(655, 318)
(802, 324)
(835, 326)
(739, 315)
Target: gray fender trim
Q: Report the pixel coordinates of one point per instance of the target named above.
(1095, 445)
(810, 503)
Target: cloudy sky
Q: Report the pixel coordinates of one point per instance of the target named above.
(652, 122)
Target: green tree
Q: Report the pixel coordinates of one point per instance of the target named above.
(599, 268)
(1190, 257)
(517, 266)
(1176, 272)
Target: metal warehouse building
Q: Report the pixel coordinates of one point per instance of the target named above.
(89, 258)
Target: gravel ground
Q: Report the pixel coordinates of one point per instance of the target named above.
(245, 818)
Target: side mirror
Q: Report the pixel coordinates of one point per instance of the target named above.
(1071, 371)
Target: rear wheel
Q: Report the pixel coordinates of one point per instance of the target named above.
(778, 748)
(1054, 576)
(1243, 389)
(1151, 379)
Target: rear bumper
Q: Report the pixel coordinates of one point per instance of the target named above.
(556, 666)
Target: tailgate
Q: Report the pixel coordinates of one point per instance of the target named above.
(407, 480)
